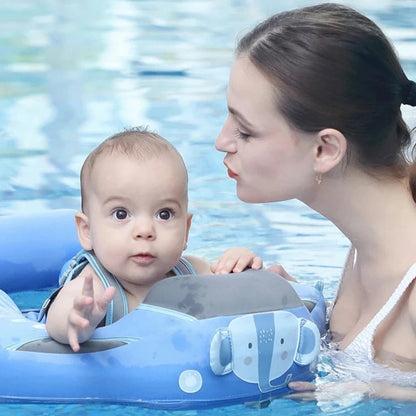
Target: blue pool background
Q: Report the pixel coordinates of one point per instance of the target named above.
(73, 73)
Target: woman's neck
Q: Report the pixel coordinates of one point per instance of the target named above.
(377, 215)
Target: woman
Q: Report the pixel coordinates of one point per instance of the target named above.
(314, 103)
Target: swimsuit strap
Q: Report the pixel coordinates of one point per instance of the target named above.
(183, 267)
(367, 334)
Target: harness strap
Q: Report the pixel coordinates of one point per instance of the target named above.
(183, 267)
(118, 307)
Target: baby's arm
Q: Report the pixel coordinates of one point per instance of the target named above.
(235, 260)
(78, 309)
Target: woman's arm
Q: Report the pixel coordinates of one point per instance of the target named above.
(326, 392)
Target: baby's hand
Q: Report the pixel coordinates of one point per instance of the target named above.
(278, 269)
(235, 260)
(87, 313)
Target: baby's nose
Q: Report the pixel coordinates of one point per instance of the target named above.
(144, 229)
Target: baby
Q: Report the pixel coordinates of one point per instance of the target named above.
(134, 226)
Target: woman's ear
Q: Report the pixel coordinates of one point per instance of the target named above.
(188, 227)
(83, 229)
(330, 150)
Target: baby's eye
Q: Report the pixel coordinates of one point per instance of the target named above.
(165, 214)
(120, 214)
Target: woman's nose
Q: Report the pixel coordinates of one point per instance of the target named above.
(226, 140)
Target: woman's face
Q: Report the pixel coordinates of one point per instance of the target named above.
(269, 159)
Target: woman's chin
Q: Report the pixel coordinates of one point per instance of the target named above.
(256, 198)
(249, 198)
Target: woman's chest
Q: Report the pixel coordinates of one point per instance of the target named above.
(384, 322)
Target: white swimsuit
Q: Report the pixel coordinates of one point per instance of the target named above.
(360, 352)
(363, 343)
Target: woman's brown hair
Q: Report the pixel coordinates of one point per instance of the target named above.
(333, 67)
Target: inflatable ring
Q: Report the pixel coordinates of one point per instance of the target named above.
(195, 342)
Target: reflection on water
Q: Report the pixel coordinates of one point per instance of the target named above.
(73, 73)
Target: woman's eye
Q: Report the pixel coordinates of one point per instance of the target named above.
(165, 214)
(241, 135)
(120, 214)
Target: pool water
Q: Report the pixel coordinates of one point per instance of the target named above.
(73, 73)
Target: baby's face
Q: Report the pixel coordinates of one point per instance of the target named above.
(137, 215)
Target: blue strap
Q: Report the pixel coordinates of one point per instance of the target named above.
(117, 308)
(183, 267)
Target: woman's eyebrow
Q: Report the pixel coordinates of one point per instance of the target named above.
(237, 114)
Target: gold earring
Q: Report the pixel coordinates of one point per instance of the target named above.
(318, 178)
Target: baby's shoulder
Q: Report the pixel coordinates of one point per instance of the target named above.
(200, 265)
(88, 270)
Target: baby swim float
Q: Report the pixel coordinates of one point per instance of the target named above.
(195, 342)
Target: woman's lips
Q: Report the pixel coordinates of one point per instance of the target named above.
(231, 173)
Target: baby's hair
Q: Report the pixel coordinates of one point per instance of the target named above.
(137, 142)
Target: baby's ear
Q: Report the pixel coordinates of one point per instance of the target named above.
(188, 227)
(331, 147)
(83, 229)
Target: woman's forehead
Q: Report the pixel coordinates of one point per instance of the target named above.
(249, 91)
